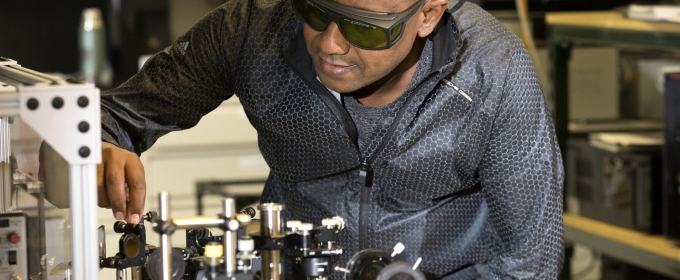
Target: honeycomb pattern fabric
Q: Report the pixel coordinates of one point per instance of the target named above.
(373, 123)
(470, 180)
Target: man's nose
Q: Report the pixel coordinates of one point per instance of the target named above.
(332, 41)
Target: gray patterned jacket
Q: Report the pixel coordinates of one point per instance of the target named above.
(469, 178)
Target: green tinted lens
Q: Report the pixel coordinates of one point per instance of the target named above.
(316, 18)
(396, 32)
(363, 35)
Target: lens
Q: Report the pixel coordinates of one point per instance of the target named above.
(396, 32)
(316, 18)
(363, 35)
(371, 271)
(132, 246)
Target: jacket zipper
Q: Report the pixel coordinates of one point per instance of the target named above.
(366, 171)
(366, 180)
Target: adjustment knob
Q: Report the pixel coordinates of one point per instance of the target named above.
(213, 250)
(340, 222)
(13, 238)
(293, 224)
(246, 245)
(330, 222)
(306, 226)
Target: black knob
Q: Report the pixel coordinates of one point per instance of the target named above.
(150, 215)
(32, 104)
(57, 102)
(249, 211)
(119, 227)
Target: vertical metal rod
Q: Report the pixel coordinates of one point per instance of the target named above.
(41, 228)
(271, 225)
(84, 236)
(6, 182)
(122, 274)
(166, 248)
(229, 240)
(136, 273)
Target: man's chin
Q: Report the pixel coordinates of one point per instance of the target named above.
(339, 86)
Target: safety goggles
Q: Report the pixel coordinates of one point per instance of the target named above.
(363, 29)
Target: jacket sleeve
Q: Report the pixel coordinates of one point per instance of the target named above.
(179, 85)
(522, 179)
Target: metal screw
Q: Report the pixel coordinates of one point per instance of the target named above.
(33, 187)
(83, 126)
(19, 178)
(32, 104)
(84, 151)
(57, 102)
(83, 101)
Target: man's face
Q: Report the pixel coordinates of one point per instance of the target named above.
(345, 68)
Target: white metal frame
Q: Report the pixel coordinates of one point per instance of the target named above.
(59, 128)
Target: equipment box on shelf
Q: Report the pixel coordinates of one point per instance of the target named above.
(616, 178)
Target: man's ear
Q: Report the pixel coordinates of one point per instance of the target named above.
(432, 11)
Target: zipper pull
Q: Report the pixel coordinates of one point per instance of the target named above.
(366, 174)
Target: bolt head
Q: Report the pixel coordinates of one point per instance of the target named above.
(84, 151)
(57, 102)
(83, 101)
(83, 127)
(32, 104)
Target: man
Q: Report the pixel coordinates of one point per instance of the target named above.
(426, 126)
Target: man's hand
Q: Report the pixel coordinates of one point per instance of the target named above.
(118, 168)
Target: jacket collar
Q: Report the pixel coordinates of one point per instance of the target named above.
(446, 39)
(296, 53)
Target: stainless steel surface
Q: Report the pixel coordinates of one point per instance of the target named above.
(33, 187)
(197, 222)
(82, 225)
(19, 178)
(166, 248)
(6, 180)
(270, 215)
(5, 187)
(229, 208)
(42, 232)
(136, 273)
(5, 148)
(271, 224)
(271, 265)
(9, 100)
(84, 236)
(102, 241)
(121, 274)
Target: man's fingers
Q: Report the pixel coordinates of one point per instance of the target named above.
(114, 179)
(134, 176)
(118, 169)
(102, 196)
(100, 175)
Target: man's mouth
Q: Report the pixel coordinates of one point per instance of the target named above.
(335, 68)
